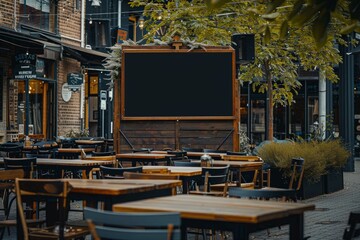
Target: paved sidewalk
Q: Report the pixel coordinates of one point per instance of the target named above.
(327, 222)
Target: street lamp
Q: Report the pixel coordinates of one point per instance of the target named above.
(141, 22)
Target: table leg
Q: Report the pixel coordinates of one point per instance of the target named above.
(297, 227)
(240, 233)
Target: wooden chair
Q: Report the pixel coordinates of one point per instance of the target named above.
(297, 173)
(52, 192)
(7, 186)
(156, 176)
(135, 226)
(353, 230)
(110, 172)
(27, 164)
(213, 176)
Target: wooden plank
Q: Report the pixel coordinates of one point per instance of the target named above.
(220, 209)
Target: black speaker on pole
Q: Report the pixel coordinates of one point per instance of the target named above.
(244, 45)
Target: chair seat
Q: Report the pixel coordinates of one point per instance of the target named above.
(212, 193)
(220, 186)
(70, 232)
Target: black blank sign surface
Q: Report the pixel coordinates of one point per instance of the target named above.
(178, 84)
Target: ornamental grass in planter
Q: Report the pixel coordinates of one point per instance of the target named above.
(319, 158)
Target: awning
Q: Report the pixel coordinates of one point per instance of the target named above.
(19, 42)
(83, 55)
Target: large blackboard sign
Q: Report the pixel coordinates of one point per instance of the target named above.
(178, 84)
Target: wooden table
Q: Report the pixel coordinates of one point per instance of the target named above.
(75, 150)
(186, 174)
(60, 165)
(199, 154)
(144, 158)
(240, 216)
(89, 142)
(110, 191)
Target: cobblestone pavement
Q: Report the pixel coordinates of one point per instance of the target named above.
(327, 222)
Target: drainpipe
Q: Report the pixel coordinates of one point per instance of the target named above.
(322, 103)
(15, 22)
(119, 13)
(82, 89)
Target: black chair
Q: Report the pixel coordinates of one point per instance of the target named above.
(112, 153)
(353, 230)
(27, 164)
(286, 194)
(110, 172)
(11, 149)
(186, 164)
(148, 150)
(236, 153)
(135, 226)
(207, 150)
(177, 156)
(189, 149)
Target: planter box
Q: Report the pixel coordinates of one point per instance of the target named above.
(308, 189)
(333, 180)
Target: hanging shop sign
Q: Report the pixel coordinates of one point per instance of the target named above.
(74, 81)
(25, 66)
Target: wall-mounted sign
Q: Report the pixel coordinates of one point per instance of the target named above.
(121, 36)
(25, 66)
(66, 92)
(74, 79)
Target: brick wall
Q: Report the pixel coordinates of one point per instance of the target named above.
(7, 13)
(68, 112)
(69, 22)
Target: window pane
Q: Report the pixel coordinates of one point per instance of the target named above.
(38, 13)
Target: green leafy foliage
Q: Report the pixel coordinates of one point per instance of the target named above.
(319, 156)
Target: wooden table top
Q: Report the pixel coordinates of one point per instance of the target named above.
(238, 164)
(89, 142)
(71, 162)
(179, 171)
(75, 150)
(142, 156)
(199, 154)
(119, 187)
(240, 158)
(216, 208)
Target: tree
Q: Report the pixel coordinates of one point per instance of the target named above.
(281, 48)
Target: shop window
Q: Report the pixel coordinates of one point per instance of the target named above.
(39, 14)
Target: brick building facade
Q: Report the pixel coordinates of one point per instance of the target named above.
(45, 37)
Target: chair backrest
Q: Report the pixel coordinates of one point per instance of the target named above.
(132, 175)
(135, 226)
(186, 164)
(45, 191)
(236, 153)
(208, 150)
(142, 150)
(263, 194)
(110, 172)
(189, 149)
(11, 149)
(96, 154)
(353, 230)
(26, 164)
(297, 169)
(214, 171)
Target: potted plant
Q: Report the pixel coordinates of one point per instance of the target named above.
(320, 159)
